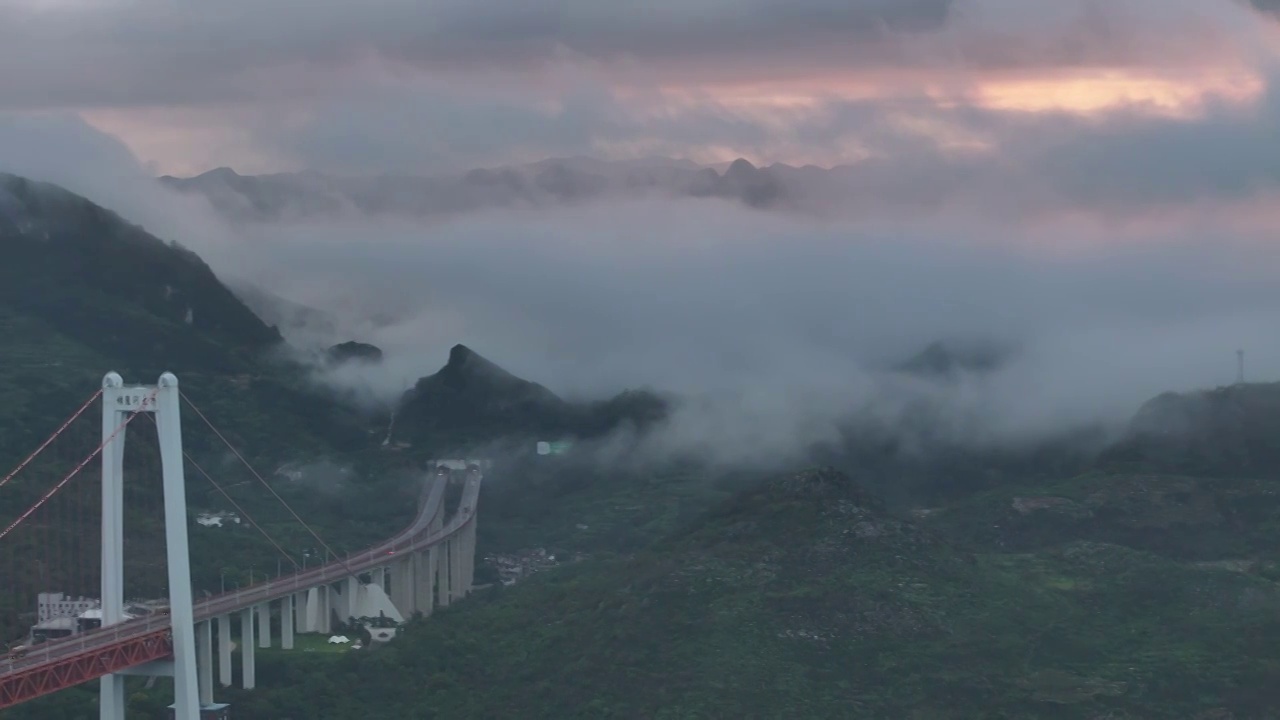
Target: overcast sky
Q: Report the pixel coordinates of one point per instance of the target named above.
(1096, 180)
(420, 85)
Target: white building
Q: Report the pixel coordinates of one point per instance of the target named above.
(218, 519)
(67, 625)
(52, 629)
(57, 605)
(58, 615)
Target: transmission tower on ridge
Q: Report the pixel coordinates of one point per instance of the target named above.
(1240, 367)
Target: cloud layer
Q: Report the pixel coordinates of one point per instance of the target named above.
(781, 325)
(418, 86)
(778, 323)
(159, 52)
(1095, 183)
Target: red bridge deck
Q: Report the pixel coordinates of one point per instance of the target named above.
(86, 665)
(60, 664)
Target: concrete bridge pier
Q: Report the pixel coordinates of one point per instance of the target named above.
(459, 571)
(396, 592)
(343, 599)
(463, 586)
(424, 576)
(204, 662)
(324, 613)
(403, 584)
(449, 563)
(456, 587)
(337, 601)
(315, 611)
(300, 612)
(469, 562)
(246, 649)
(286, 622)
(443, 575)
(391, 582)
(264, 625)
(352, 596)
(224, 650)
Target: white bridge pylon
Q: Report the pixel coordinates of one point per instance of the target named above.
(119, 403)
(427, 565)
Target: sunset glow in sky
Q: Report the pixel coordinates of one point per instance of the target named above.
(1101, 91)
(1085, 175)
(423, 87)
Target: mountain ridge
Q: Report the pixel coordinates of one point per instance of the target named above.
(800, 594)
(312, 195)
(473, 399)
(83, 291)
(91, 273)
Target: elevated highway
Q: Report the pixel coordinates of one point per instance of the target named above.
(427, 564)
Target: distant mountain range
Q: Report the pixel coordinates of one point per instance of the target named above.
(471, 399)
(1039, 582)
(84, 288)
(312, 195)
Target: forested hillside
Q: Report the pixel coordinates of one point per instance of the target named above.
(84, 292)
(1078, 577)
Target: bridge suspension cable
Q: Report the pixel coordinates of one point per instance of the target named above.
(243, 513)
(262, 480)
(51, 438)
(80, 466)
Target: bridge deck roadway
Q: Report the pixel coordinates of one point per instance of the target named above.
(413, 538)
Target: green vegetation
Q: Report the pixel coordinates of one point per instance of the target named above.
(83, 292)
(471, 400)
(805, 597)
(309, 643)
(1061, 581)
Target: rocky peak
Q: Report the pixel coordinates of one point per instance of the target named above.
(466, 365)
(352, 351)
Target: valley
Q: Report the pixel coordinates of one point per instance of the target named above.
(701, 360)
(1081, 577)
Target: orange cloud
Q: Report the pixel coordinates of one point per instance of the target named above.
(1083, 91)
(1097, 91)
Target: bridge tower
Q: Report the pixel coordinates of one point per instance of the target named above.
(163, 401)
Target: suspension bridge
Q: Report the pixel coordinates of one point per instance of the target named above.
(60, 539)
